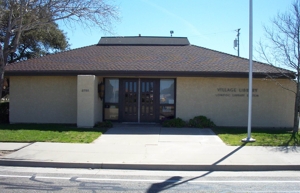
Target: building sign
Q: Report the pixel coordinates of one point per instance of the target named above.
(85, 90)
(236, 92)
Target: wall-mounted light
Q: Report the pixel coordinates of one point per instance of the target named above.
(101, 90)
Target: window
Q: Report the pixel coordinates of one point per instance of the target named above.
(167, 99)
(111, 112)
(167, 91)
(166, 112)
(111, 90)
(111, 106)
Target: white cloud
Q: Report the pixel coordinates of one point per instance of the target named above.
(189, 25)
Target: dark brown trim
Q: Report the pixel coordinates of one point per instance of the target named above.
(143, 44)
(175, 97)
(149, 74)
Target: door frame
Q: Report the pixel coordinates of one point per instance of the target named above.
(120, 103)
(139, 102)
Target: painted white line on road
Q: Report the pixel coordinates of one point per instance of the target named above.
(35, 177)
(14, 176)
(55, 178)
(244, 181)
(150, 180)
(128, 180)
(188, 181)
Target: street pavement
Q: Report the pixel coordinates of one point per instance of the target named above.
(134, 146)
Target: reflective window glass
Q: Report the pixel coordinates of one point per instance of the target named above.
(111, 112)
(166, 112)
(167, 91)
(111, 90)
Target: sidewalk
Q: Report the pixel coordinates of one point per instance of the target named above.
(153, 147)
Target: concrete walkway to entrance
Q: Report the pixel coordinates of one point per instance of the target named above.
(154, 147)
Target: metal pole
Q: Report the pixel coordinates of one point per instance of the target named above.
(249, 139)
(238, 35)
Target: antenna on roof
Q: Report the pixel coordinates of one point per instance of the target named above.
(236, 42)
(171, 32)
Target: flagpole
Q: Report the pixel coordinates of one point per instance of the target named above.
(249, 139)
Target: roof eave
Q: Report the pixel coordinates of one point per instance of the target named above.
(149, 73)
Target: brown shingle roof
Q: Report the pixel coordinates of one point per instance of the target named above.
(144, 40)
(151, 60)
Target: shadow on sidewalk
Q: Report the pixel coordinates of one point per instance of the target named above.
(175, 180)
(154, 129)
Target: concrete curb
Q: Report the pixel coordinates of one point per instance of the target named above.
(171, 167)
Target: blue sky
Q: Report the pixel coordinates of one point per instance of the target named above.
(207, 23)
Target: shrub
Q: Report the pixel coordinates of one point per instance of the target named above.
(178, 122)
(104, 124)
(201, 122)
(4, 112)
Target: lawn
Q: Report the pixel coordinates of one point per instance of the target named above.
(72, 134)
(264, 137)
(48, 133)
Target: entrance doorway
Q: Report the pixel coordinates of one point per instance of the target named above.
(139, 100)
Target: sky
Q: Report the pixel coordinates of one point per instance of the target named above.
(211, 24)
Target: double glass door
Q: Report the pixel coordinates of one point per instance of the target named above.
(140, 100)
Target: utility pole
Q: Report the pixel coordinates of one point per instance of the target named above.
(237, 42)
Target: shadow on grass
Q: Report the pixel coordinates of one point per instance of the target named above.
(263, 136)
(50, 127)
(294, 140)
(243, 130)
(291, 145)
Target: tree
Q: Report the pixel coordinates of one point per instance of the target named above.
(21, 16)
(39, 42)
(283, 49)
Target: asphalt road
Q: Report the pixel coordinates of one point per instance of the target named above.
(17, 179)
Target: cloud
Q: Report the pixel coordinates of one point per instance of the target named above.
(188, 24)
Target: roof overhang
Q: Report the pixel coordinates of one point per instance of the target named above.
(151, 74)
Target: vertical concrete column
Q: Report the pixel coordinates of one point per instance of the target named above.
(86, 93)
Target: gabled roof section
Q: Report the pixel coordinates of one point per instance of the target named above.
(146, 41)
(148, 56)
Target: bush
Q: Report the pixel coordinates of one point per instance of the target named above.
(201, 122)
(174, 123)
(4, 112)
(105, 124)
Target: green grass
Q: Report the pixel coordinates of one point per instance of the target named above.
(263, 137)
(72, 134)
(48, 133)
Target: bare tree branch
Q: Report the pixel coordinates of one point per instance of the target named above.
(283, 48)
(37, 13)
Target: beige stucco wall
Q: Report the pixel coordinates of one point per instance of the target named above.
(225, 101)
(43, 99)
